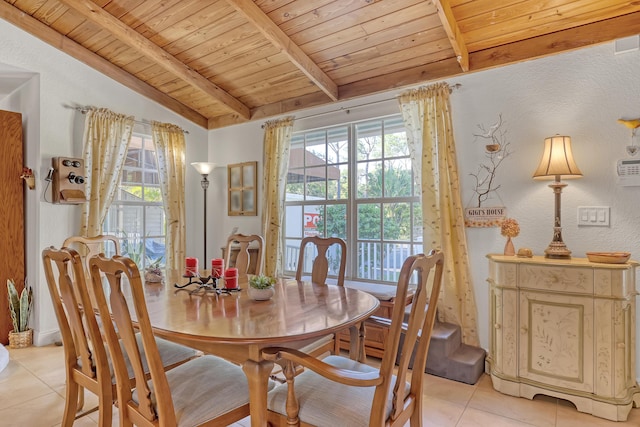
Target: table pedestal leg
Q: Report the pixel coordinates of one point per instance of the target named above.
(258, 378)
(356, 343)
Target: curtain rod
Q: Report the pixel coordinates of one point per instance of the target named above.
(366, 104)
(84, 110)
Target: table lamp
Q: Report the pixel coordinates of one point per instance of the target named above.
(204, 169)
(557, 161)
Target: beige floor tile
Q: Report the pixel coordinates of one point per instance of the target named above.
(21, 385)
(539, 412)
(477, 418)
(440, 413)
(444, 389)
(43, 411)
(38, 372)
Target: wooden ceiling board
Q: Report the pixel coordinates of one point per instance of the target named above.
(221, 62)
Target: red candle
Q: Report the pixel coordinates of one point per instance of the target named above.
(217, 267)
(231, 278)
(191, 266)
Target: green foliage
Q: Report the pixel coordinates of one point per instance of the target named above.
(20, 306)
(261, 282)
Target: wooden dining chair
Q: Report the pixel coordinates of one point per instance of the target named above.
(241, 243)
(204, 391)
(380, 396)
(319, 274)
(94, 245)
(87, 362)
(320, 265)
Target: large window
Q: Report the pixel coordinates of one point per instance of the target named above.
(355, 182)
(136, 214)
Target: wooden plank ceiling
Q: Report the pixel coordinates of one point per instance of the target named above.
(221, 62)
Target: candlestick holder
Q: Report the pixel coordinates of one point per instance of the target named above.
(205, 284)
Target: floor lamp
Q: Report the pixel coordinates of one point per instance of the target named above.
(557, 161)
(204, 169)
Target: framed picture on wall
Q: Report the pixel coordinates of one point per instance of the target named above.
(242, 179)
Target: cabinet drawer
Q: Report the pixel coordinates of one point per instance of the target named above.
(557, 279)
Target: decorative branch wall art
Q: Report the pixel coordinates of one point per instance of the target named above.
(497, 149)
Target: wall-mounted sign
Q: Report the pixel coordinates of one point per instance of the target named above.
(484, 216)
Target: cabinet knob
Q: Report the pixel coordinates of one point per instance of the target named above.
(621, 345)
(497, 326)
(524, 330)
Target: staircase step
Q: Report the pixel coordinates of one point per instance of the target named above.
(445, 338)
(466, 364)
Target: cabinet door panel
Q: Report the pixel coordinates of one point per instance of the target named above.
(556, 340)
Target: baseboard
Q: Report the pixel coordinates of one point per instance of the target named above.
(45, 338)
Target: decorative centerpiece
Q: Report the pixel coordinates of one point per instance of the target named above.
(261, 287)
(153, 273)
(20, 307)
(510, 229)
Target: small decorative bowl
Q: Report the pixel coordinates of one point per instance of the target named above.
(609, 257)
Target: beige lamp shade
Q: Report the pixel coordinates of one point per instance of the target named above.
(557, 159)
(203, 168)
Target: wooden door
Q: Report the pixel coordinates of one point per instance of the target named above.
(11, 213)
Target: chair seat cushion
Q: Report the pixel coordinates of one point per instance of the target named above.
(205, 388)
(327, 403)
(381, 291)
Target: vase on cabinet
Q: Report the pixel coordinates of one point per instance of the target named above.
(509, 249)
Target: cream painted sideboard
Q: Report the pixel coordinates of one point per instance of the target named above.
(565, 328)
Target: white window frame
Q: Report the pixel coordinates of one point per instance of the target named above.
(411, 246)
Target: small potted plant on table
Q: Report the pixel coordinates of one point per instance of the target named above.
(20, 307)
(261, 287)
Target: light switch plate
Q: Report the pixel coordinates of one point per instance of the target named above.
(596, 216)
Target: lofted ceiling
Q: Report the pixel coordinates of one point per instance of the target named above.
(222, 62)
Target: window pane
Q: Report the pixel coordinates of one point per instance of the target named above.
(397, 178)
(316, 183)
(394, 256)
(397, 221)
(336, 169)
(395, 138)
(334, 221)
(338, 145)
(312, 226)
(368, 264)
(338, 182)
(369, 221)
(155, 221)
(369, 140)
(370, 179)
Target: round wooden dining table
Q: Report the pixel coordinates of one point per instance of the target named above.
(234, 326)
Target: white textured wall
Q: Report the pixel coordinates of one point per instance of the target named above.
(47, 81)
(580, 94)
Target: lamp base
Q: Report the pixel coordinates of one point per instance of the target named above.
(557, 250)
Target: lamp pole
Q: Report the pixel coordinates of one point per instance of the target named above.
(204, 169)
(205, 184)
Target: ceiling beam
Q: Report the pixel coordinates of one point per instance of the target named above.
(537, 47)
(279, 39)
(94, 13)
(48, 35)
(454, 34)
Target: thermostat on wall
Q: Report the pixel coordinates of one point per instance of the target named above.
(629, 172)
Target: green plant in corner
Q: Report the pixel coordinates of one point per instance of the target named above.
(261, 282)
(20, 306)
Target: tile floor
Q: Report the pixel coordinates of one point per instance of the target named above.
(32, 394)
